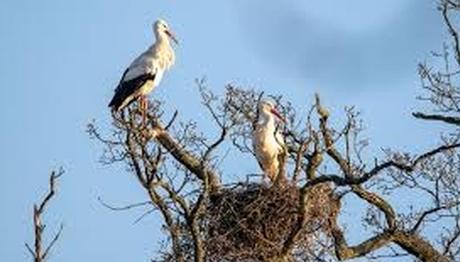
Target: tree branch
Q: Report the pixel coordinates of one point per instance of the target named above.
(38, 254)
(187, 159)
(453, 32)
(446, 119)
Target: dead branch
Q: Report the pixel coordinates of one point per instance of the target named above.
(40, 252)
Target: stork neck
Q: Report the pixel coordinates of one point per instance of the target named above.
(267, 121)
(162, 38)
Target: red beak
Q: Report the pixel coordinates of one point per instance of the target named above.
(172, 36)
(278, 115)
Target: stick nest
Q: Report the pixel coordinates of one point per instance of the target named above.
(252, 222)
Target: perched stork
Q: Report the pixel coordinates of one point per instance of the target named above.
(146, 71)
(267, 142)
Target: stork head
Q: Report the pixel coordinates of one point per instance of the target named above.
(162, 29)
(267, 108)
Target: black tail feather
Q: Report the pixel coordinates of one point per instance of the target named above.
(125, 90)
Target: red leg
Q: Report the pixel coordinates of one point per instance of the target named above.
(143, 108)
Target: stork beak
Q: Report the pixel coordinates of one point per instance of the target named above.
(278, 115)
(172, 36)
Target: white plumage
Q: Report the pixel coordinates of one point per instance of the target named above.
(146, 71)
(267, 142)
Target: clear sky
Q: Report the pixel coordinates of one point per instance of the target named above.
(60, 61)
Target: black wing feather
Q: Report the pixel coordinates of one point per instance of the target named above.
(126, 88)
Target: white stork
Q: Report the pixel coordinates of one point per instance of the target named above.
(267, 142)
(146, 71)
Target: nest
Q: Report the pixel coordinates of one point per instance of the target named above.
(252, 222)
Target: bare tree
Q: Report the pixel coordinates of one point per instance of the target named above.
(297, 220)
(40, 252)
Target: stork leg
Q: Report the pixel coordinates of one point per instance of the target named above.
(143, 108)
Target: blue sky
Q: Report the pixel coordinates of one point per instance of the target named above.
(61, 60)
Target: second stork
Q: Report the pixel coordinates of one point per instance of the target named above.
(268, 143)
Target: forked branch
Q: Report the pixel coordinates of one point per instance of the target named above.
(40, 253)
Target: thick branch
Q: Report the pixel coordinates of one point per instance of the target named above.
(379, 202)
(344, 252)
(192, 222)
(417, 246)
(446, 119)
(410, 242)
(187, 159)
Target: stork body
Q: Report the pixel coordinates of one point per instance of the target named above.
(268, 143)
(146, 71)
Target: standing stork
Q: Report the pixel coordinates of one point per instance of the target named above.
(267, 142)
(146, 71)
